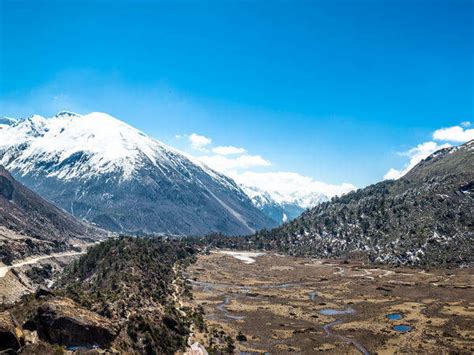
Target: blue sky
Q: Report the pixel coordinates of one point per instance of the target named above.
(332, 90)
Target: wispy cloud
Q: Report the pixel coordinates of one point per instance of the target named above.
(226, 165)
(228, 150)
(224, 158)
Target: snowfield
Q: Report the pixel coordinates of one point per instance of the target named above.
(245, 256)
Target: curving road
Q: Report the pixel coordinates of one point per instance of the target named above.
(34, 260)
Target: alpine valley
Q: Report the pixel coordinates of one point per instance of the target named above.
(236, 177)
(353, 273)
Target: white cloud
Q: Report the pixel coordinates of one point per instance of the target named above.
(282, 186)
(199, 142)
(228, 150)
(226, 164)
(392, 174)
(454, 134)
(466, 124)
(416, 154)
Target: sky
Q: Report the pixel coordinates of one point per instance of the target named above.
(315, 92)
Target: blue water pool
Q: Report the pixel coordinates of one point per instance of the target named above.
(394, 316)
(403, 328)
(335, 312)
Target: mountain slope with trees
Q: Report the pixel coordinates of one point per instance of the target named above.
(424, 218)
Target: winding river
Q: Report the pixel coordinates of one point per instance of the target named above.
(329, 331)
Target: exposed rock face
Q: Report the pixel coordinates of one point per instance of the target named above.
(31, 225)
(24, 211)
(63, 322)
(11, 336)
(197, 349)
(6, 188)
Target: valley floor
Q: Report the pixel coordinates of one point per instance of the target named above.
(283, 304)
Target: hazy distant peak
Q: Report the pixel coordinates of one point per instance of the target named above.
(8, 121)
(67, 114)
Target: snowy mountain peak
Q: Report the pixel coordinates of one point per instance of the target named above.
(282, 207)
(80, 146)
(284, 195)
(303, 199)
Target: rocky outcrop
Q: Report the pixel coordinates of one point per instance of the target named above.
(11, 335)
(62, 321)
(197, 349)
(122, 296)
(43, 292)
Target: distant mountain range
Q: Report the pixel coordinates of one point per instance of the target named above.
(108, 173)
(282, 208)
(424, 218)
(30, 225)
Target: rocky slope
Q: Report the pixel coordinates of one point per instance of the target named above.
(100, 169)
(424, 218)
(123, 296)
(30, 225)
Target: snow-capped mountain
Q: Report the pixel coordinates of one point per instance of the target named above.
(107, 172)
(282, 207)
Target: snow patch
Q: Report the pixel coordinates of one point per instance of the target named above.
(245, 256)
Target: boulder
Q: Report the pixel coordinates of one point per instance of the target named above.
(61, 321)
(11, 336)
(43, 292)
(197, 349)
